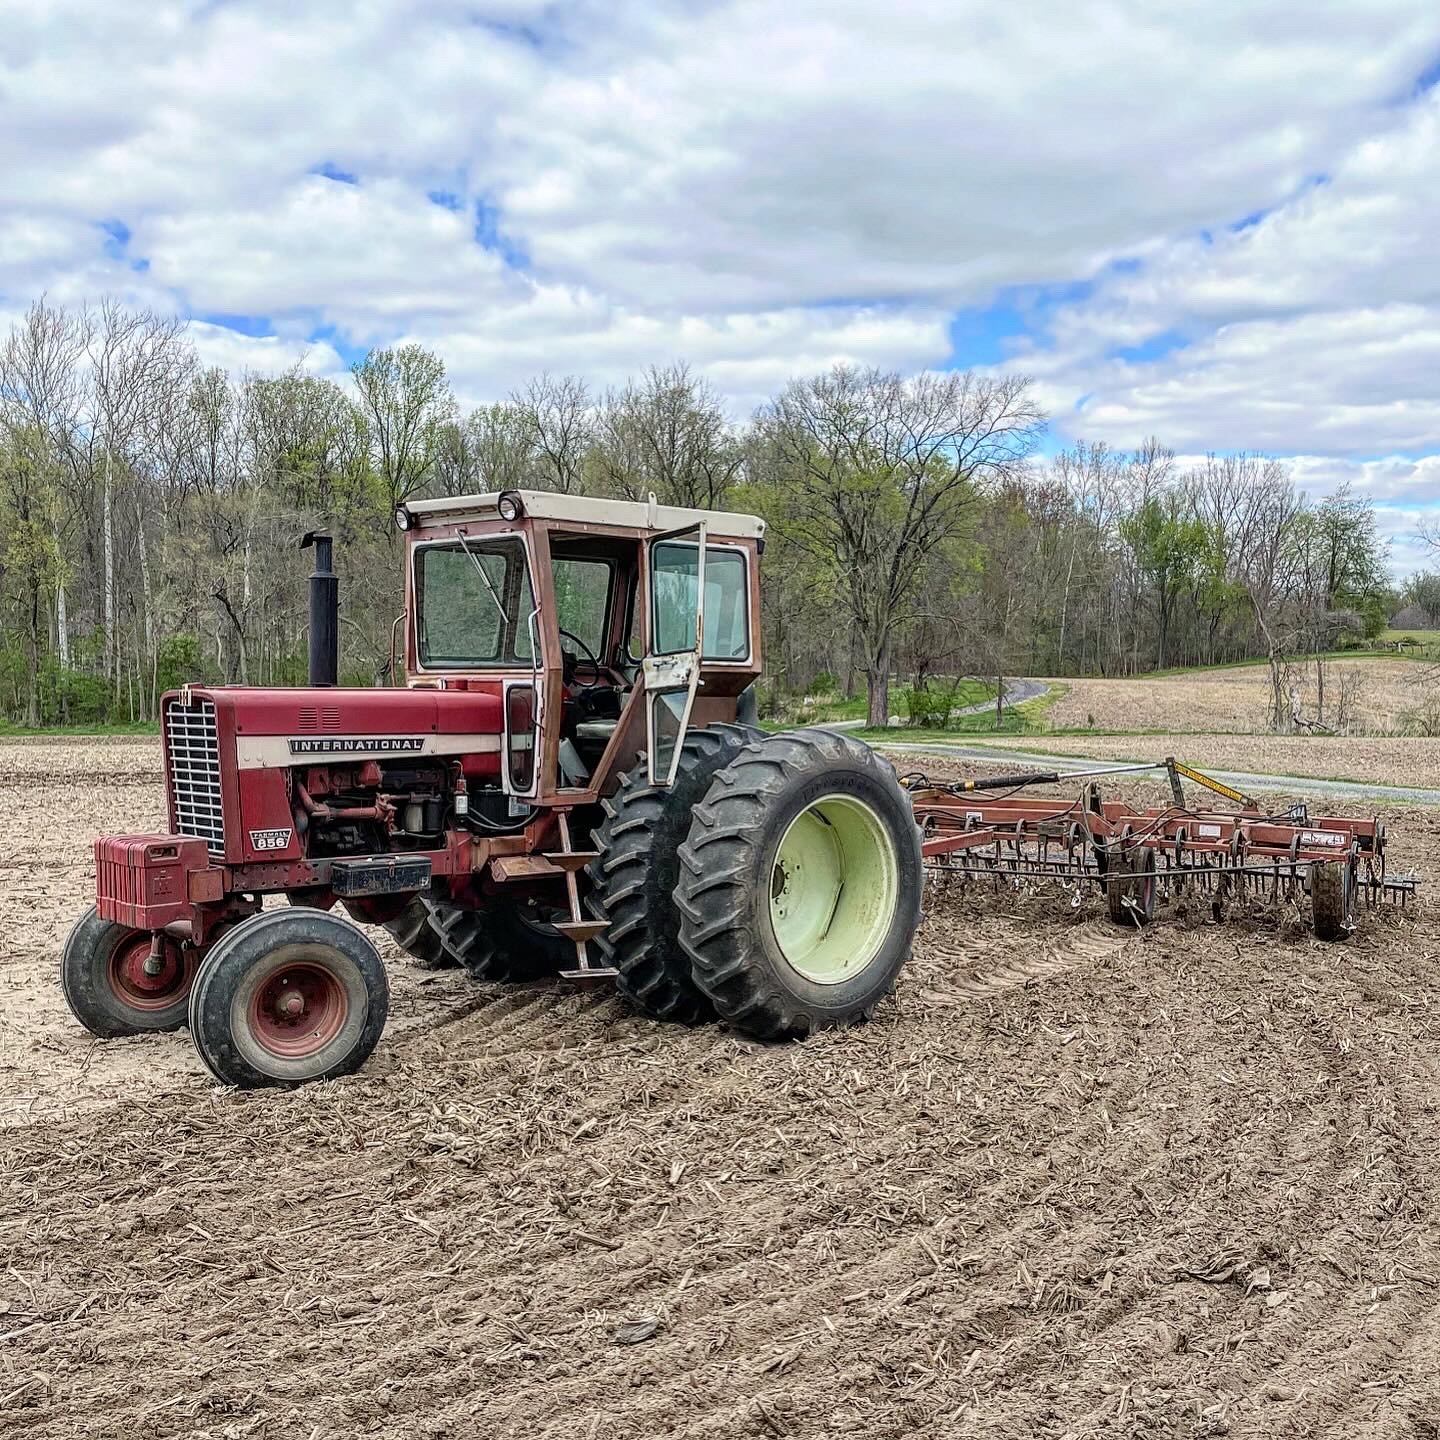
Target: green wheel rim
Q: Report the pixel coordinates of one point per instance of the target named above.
(833, 889)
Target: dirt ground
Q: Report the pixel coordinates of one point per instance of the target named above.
(1074, 1181)
(1383, 760)
(1236, 701)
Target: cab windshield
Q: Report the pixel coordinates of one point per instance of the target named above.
(473, 604)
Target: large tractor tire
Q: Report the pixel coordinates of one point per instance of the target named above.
(509, 941)
(414, 931)
(106, 976)
(288, 996)
(800, 884)
(633, 879)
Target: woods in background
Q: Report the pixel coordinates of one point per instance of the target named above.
(150, 509)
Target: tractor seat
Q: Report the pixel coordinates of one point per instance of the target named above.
(597, 730)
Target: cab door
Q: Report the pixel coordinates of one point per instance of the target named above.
(671, 665)
(524, 705)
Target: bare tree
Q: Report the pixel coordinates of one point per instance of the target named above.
(501, 441)
(876, 472)
(42, 392)
(556, 413)
(668, 434)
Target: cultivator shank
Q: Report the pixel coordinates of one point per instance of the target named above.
(1136, 856)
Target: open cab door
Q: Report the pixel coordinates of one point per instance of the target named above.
(671, 666)
(524, 703)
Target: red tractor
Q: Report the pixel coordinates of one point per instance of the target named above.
(571, 767)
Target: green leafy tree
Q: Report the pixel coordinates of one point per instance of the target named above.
(1169, 544)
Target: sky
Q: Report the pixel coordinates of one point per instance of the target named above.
(1213, 224)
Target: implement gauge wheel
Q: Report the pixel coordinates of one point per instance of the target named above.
(800, 884)
(115, 985)
(288, 996)
(1130, 887)
(1332, 899)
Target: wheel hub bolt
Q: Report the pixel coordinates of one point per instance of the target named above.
(289, 1004)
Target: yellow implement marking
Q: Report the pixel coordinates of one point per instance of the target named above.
(1202, 779)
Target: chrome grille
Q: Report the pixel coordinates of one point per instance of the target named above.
(193, 751)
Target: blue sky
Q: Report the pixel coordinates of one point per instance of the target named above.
(1214, 225)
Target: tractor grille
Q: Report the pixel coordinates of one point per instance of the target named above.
(193, 750)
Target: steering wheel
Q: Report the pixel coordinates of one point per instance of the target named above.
(589, 657)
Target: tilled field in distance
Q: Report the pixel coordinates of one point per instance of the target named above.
(1236, 700)
(1073, 1181)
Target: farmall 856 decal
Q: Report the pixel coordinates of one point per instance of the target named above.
(269, 839)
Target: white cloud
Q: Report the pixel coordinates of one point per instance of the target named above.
(1315, 328)
(747, 356)
(216, 345)
(837, 148)
(763, 190)
(371, 257)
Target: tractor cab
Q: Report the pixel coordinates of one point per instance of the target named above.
(606, 628)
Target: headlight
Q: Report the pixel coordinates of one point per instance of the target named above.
(510, 507)
(402, 517)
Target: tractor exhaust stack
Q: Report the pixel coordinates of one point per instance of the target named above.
(324, 612)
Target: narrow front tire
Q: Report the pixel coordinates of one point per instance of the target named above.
(286, 997)
(115, 985)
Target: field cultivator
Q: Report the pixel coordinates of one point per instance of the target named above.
(1136, 858)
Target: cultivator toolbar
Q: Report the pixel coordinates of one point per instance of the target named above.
(1134, 857)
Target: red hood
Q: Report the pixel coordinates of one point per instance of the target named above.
(353, 711)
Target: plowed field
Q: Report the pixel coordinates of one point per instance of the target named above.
(1072, 1181)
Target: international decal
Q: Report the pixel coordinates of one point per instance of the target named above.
(356, 744)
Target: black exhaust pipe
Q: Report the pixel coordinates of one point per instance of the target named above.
(324, 612)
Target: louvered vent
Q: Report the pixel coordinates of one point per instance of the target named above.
(327, 719)
(194, 755)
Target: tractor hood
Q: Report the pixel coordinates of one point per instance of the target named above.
(229, 751)
(369, 716)
(276, 728)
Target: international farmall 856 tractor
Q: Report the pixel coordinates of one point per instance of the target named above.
(569, 783)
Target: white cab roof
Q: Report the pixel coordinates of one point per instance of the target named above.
(586, 510)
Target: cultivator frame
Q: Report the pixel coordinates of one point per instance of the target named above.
(1134, 856)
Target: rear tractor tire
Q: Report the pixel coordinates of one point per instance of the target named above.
(507, 942)
(633, 880)
(288, 996)
(800, 884)
(413, 930)
(106, 975)
(1130, 886)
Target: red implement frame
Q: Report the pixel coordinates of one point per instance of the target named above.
(1028, 839)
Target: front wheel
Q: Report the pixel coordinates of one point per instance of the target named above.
(288, 996)
(116, 984)
(800, 884)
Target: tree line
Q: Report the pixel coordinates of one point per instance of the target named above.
(150, 508)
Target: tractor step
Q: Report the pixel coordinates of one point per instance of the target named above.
(581, 930)
(523, 867)
(595, 972)
(571, 859)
